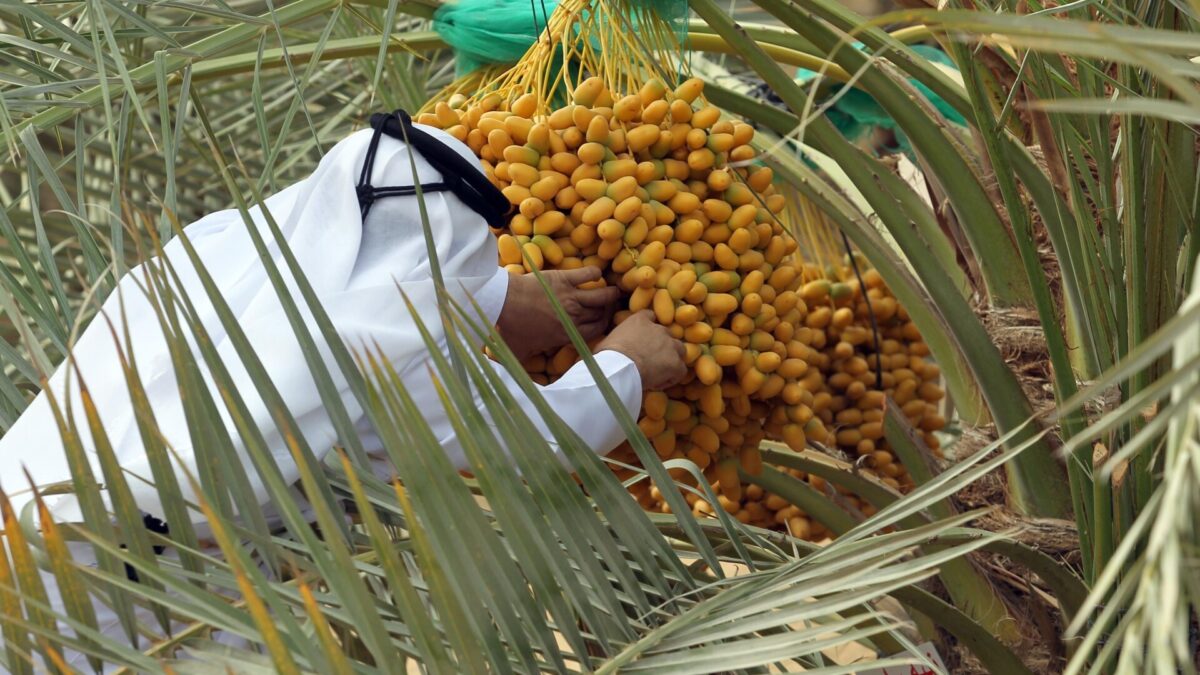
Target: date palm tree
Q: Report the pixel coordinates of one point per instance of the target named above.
(1065, 210)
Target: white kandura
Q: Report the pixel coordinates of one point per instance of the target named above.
(357, 270)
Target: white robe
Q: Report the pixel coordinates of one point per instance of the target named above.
(354, 269)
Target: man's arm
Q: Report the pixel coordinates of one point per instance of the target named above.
(528, 322)
(638, 355)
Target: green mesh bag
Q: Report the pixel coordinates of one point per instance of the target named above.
(499, 32)
(857, 114)
(489, 32)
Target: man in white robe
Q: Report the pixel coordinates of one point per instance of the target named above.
(357, 266)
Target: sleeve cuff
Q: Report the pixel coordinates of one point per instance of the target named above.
(623, 375)
(494, 294)
(611, 360)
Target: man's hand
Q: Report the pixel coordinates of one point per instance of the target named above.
(658, 356)
(528, 322)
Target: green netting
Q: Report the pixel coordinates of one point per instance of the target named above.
(674, 12)
(856, 114)
(488, 32)
(499, 32)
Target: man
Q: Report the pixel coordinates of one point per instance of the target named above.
(359, 246)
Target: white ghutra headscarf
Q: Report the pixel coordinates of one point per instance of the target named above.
(357, 267)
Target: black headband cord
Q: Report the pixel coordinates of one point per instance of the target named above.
(459, 176)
